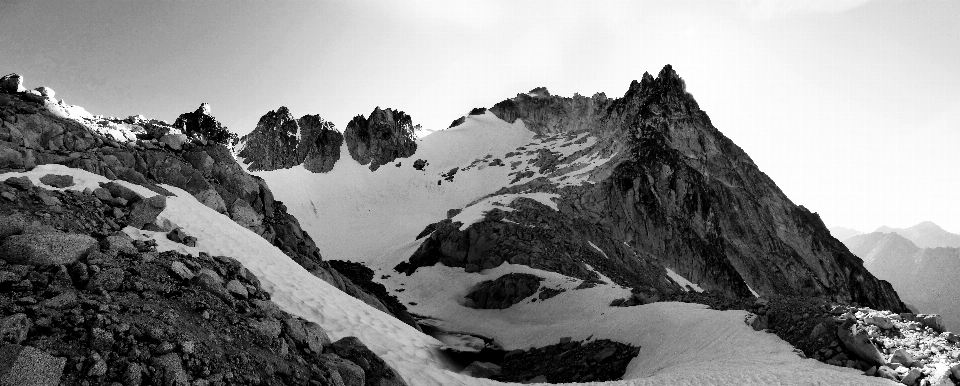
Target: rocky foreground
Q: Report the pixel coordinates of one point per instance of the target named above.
(84, 304)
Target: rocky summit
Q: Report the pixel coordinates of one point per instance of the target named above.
(383, 137)
(279, 141)
(545, 239)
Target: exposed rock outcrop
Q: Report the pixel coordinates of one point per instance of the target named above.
(201, 125)
(679, 191)
(382, 138)
(280, 141)
(535, 235)
(503, 291)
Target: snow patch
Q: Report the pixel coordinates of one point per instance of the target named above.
(683, 282)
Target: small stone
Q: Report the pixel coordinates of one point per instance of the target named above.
(46, 92)
(25, 365)
(22, 183)
(269, 328)
(133, 376)
(119, 242)
(888, 373)
(237, 289)
(62, 301)
(481, 370)
(605, 354)
(109, 279)
(14, 328)
(47, 248)
(101, 339)
(902, 357)
(879, 321)
(911, 377)
(146, 211)
(181, 271)
(171, 370)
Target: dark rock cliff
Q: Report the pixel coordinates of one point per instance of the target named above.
(279, 141)
(681, 193)
(382, 138)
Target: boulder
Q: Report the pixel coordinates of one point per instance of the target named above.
(174, 141)
(888, 373)
(856, 339)
(119, 242)
(376, 370)
(306, 334)
(481, 370)
(119, 191)
(146, 211)
(269, 328)
(22, 183)
(879, 321)
(235, 288)
(46, 248)
(912, 376)
(108, 279)
(11, 83)
(171, 370)
(180, 271)
(940, 376)
(28, 366)
(758, 322)
(46, 92)
(14, 328)
(57, 180)
(350, 373)
(10, 159)
(902, 357)
(504, 291)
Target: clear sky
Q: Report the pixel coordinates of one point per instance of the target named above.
(852, 107)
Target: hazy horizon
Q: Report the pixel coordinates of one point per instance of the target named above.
(851, 107)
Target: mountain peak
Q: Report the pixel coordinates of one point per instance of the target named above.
(926, 225)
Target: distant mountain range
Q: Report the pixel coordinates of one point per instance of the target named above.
(925, 277)
(924, 235)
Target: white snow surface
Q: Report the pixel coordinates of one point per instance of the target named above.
(681, 344)
(683, 282)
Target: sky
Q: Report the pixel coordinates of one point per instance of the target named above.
(852, 107)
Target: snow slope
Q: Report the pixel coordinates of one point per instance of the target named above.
(374, 217)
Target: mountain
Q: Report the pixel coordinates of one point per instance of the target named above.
(591, 186)
(925, 278)
(134, 249)
(925, 235)
(842, 233)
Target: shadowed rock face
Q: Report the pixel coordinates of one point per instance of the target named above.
(680, 192)
(281, 142)
(384, 137)
(503, 291)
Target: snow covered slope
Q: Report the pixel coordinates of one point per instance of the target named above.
(374, 217)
